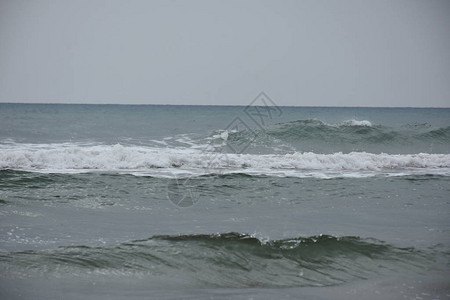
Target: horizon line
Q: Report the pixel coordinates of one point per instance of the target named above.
(237, 105)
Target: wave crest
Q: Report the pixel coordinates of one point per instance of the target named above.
(352, 135)
(231, 259)
(66, 159)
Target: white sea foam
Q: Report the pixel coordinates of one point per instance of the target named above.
(69, 158)
(357, 123)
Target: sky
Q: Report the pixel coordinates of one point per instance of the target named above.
(300, 53)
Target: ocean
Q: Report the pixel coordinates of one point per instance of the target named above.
(224, 202)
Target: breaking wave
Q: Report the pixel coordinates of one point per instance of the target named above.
(63, 158)
(348, 136)
(228, 260)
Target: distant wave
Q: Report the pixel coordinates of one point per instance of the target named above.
(358, 130)
(65, 158)
(229, 259)
(347, 136)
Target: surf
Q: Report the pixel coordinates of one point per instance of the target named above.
(229, 259)
(65, 158)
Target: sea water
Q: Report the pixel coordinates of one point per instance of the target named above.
(219, 202)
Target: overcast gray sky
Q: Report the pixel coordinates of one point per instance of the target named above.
(322, 53)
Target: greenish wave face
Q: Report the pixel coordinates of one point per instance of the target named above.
(227, 260)
(320, 137)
